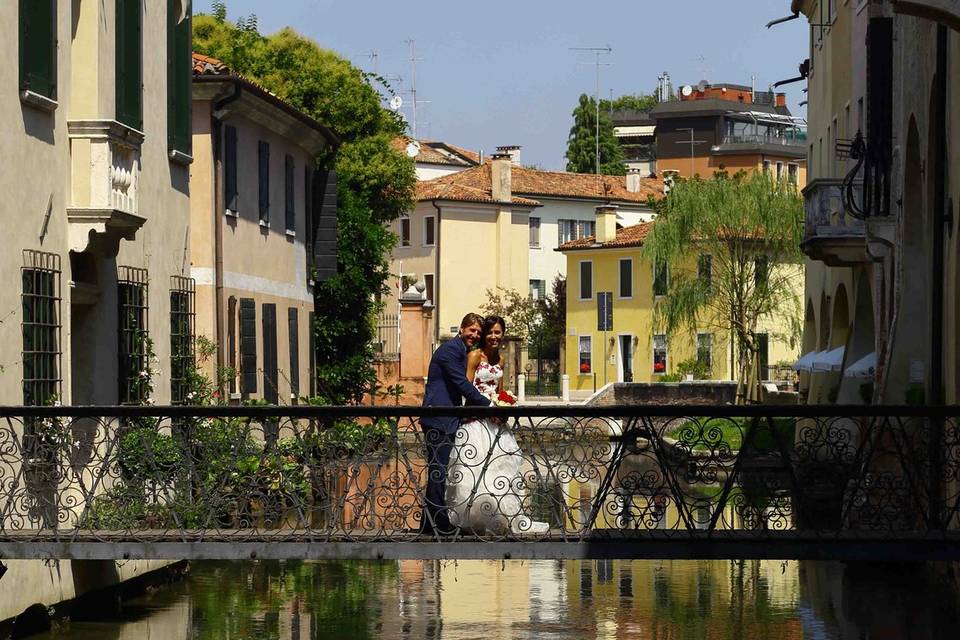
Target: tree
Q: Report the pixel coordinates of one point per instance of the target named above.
(750, 226)
(375, 182)
(553, 320)
(639, 102)
(582, 141)
(519, 311)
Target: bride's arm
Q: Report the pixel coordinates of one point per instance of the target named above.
(473, 361)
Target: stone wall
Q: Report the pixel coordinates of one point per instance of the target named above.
(700, 392)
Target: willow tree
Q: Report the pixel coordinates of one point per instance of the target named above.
(750, 227)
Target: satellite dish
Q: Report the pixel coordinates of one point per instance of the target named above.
(413, 149)
(396, 102)
(686, 90)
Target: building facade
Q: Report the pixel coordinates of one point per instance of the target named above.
(260, 220)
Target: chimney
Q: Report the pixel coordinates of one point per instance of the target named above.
(633, 180)
(606, 223)
(512, 150)
(781, 100)
(500, 177)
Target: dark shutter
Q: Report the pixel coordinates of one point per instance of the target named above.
(230, 169)
(270, 354)
(308, 216)
(311, 348)
(248, 346)
(879, 132)
(325, 225)
(290, 208)
(586, 280)
(38, 47)
(626, 278)
(179, 75)
(129, 63)
(263, 164)
(293, 331)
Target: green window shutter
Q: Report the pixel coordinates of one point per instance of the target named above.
(270, 373)
(248, 346)
(263, 172)
(293, 333)
(38, 47)
(129, 63)
(290, 208)
(230, 169)
(179, 76)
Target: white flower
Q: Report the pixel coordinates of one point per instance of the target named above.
(144, 374)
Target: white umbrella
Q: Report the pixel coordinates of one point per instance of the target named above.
(805, 361)
(865, 367)
(828, 360)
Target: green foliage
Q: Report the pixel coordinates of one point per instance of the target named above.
(375, 182)
(519, 311)
(697, 368)
(553, 313)
(144, 454)
(751, 226)
(581, 143)
(670, 377)
(638, 102)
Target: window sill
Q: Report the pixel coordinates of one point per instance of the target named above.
(291, 233)
(264, 224)
(230, 213)
(535, 246)
(38, 101)
(179, 157)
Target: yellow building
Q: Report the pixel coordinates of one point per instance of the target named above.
(611, 293)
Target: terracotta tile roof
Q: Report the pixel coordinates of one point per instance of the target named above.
(206, 65)
(627, 237)
(434, 152)
(471, 185)
(533, 182)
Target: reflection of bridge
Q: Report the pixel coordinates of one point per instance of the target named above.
(631, 482)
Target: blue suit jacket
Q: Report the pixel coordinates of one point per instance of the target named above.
(447, 384)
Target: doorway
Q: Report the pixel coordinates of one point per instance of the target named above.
(626, 358)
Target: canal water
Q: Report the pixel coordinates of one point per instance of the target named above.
(555, 600)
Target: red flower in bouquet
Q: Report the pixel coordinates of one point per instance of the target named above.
(505, 397)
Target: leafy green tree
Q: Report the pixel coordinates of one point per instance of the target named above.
(375, 182)
(549, 333)
(582, 141)
(750, 227)
(637, 102)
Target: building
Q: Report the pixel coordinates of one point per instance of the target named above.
(611, 337)
(95, 102)
(636, 133)
(263, 227)
(882, 320)
(497, 225)
(729, 127)
(433, 159)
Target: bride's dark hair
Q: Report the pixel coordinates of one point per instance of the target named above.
(488, 324)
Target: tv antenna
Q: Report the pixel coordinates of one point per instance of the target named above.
(413, 84)
(374, 57)
(597, 52)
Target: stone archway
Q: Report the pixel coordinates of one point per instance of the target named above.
(861, 343)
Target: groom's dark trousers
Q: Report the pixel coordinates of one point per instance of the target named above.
(447, 386)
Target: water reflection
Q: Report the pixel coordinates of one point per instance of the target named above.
(539, 599)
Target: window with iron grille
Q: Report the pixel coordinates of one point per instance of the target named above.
(182, 322)
(40, 297)
(134, 339)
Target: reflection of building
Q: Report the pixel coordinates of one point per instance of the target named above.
(263, 227)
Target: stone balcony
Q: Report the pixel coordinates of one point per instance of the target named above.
(105, 179)
(831, 235)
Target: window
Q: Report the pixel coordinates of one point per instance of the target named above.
(659, 353)
(263, 175)
(429, 231)
(566, 231)
(311, 355)
(766, 167)
(660, 279)
(705, 350)
(179, 78)
(586, 228)
(134, 338)
(585, 354)
(38, 47)
(763, 355)
(626, 278)
(793, 173)
(586, 280)
(232, 341)
(230, 170)
(248, 346)
(270, 366)
(40, 301)
(705, 269)
(129, 63)
(538, 289)
(428, 287)
(761, 269)
(405, 231)
(289, 205)
(779, 171)
(293, 335)
(534, 232)
(182, 315)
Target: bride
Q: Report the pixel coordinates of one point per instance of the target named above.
(483, 493)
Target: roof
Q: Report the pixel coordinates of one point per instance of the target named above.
(710, 106)
(209, 69)
(433, 152)
(632, 236)
(631, 116)
(533, 183)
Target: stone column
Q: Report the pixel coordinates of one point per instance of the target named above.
(415, 350)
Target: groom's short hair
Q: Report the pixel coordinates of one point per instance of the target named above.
(471, 319)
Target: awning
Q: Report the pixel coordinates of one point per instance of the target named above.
(805, 361)
(828, 360)
(865, 367)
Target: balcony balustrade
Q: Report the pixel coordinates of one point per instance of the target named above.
(831, 235)
(761, 139)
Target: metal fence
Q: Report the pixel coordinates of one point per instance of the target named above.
(388, 335)
(573, 481)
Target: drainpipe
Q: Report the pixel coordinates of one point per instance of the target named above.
(219, 205)
(436, 277)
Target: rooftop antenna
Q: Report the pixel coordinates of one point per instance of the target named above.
(374, 57)
(413, 83)
(597, 51)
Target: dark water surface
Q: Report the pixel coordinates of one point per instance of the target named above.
(540, 599)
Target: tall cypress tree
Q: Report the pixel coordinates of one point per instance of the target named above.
(582, 142)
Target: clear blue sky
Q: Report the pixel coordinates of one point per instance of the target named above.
(500, 72)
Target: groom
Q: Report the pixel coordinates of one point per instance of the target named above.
(447, 386)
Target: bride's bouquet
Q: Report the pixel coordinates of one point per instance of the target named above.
(504, 399)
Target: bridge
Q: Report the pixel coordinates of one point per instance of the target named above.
(823, 482)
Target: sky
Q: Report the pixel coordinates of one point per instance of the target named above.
(502, 72)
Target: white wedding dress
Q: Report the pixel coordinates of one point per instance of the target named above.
(484, 488)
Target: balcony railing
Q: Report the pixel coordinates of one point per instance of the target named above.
(357, 475)
(831, 234)
(760, 139)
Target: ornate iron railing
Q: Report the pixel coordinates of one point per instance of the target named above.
(588, 475)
